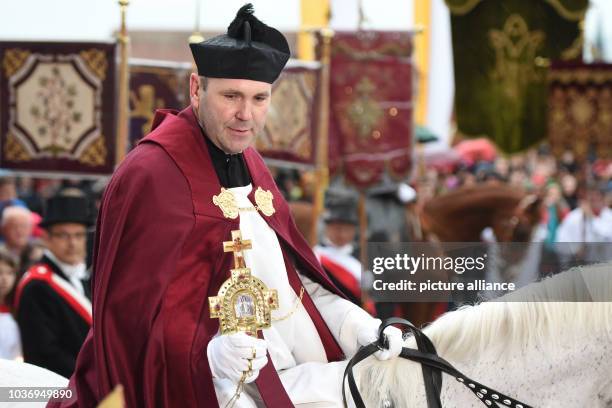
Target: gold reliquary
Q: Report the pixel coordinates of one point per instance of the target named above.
(244, 303)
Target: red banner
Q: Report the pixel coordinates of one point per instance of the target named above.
(371, 106)
(579, 106)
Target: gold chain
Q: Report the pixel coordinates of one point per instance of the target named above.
(246, 374)
(297, 302)
(236, 396)
(252, 208)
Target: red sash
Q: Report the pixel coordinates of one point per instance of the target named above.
(42, 272)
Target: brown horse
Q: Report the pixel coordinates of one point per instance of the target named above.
(461, 215)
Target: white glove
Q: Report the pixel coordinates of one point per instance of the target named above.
(229, 355)
(368, 333)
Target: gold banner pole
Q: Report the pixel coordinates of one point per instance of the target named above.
(196, 36)
(363, 230)
(315, 14)
(124, 86)
(322, 169)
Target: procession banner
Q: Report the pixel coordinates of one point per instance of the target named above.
(58, 107)
(501, 53)
(371, 122)
(154, 85)
(579, 106)
(290, 132)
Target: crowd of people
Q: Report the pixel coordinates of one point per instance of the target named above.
(45, 309)
(576, 200)
(576, 195)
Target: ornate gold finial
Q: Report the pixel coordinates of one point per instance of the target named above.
(244, 303)
(196, 36)
(237, 246)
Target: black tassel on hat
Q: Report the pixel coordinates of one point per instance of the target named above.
(249, 50)
(246, 25)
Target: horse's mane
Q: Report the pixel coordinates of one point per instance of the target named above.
(527, 318)
(530, 315)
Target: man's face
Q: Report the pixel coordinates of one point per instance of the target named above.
(232, 111)
(340, 233)
(596, 201)
(67, 241)
(17, 231)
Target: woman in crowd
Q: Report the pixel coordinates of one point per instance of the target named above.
(10, 342)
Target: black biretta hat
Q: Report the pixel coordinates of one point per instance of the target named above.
(249, 50)
(340, 206)
(62, 209)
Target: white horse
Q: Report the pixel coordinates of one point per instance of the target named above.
(543, 353)
(15, 375)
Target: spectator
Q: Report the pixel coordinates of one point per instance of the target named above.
(17, 226)
(555, 209)
(52, 302)
(10, 342)
(8, 194)
(337, 250)
(569, 188)
(588, 228)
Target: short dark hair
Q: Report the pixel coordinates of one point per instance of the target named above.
(203, 82)
(13, 263)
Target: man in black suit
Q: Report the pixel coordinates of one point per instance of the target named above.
(52, 301)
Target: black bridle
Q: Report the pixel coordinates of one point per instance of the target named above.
(432, 366)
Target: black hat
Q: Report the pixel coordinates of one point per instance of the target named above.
(66, 209)
(340, 206)
(249, 50)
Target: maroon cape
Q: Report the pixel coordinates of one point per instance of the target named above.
(158, 257)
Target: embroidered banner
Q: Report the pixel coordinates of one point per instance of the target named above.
(501, 51)
(155, 85)
(371, 123)
(579, 109)
(58, 107)
(291, 126)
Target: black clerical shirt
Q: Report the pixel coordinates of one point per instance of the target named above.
(230, 168)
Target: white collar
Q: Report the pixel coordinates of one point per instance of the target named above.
(78, 271)
(344, 249)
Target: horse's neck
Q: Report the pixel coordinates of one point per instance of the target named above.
(462, 216)
(569, 374)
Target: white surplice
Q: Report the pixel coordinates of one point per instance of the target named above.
(293, 343)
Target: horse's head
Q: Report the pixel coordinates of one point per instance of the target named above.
(519, 226)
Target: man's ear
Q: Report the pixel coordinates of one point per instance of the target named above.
(194, 90)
